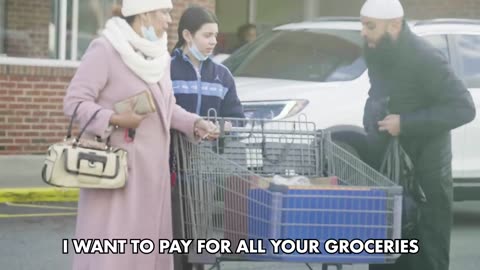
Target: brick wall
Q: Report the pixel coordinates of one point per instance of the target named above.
(27, 23)
(31, 108)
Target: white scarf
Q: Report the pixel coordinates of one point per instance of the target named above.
(145, 58)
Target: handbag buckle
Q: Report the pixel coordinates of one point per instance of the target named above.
(92, 158)
(74, 143)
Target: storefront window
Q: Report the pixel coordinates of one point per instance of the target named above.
(45, 29)
(92, 17)
(2, 27)
(25, 28)
(231, 15)
(264, 14)
(271, 13)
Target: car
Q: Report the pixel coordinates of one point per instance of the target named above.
(316, 68)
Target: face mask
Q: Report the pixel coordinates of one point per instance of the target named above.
(196, 53)
(149, 33)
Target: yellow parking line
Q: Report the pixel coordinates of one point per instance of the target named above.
(22, 195)
(37, 215)
(40, 206)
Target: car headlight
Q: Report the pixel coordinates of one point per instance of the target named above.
(275, 110)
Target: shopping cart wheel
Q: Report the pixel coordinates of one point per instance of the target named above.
(338, 266)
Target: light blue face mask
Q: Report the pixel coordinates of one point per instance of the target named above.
(149, 33)
(197, 54)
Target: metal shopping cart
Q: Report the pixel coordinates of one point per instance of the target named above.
(228, 192)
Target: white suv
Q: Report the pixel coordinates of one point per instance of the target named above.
(316, 68)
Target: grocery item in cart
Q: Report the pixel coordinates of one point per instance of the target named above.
(302, 181)
(292, 181)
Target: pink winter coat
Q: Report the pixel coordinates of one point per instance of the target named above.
(141, 210)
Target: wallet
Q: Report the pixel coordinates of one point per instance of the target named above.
(143, 103)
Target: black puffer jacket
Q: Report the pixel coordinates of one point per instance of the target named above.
(427, 95)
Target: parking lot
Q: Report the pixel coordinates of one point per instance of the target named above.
(31, 238)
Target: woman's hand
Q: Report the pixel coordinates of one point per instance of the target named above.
(206, 130)
(127, 119)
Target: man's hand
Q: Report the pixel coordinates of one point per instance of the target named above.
(391, 124)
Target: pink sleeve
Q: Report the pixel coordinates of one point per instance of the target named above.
(183, 121)
(90, 78)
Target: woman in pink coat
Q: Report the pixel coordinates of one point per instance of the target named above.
(131, 56)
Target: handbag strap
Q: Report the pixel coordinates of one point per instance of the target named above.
(69, 130)
(88, 123)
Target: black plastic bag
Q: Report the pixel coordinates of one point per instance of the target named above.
(398, 167)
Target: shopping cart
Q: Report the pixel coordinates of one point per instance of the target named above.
(228, 191)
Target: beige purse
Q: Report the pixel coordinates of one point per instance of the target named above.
(76, 163)
(143, 103)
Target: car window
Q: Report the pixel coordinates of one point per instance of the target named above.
(469, 57)
(308, 55)
(439, 42)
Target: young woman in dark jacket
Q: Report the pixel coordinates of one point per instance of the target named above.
(199, 85)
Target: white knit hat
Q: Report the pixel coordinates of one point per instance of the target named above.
(134, 7)
(382, 9)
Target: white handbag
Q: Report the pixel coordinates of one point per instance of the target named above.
(76, 163)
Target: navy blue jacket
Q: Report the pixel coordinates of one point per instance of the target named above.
(213, 88)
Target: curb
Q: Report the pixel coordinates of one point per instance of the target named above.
(38, 195)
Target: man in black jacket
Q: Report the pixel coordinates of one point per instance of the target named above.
(416, 97)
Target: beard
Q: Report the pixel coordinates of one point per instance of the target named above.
(383, 54)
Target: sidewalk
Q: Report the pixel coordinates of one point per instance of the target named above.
(20, 181)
